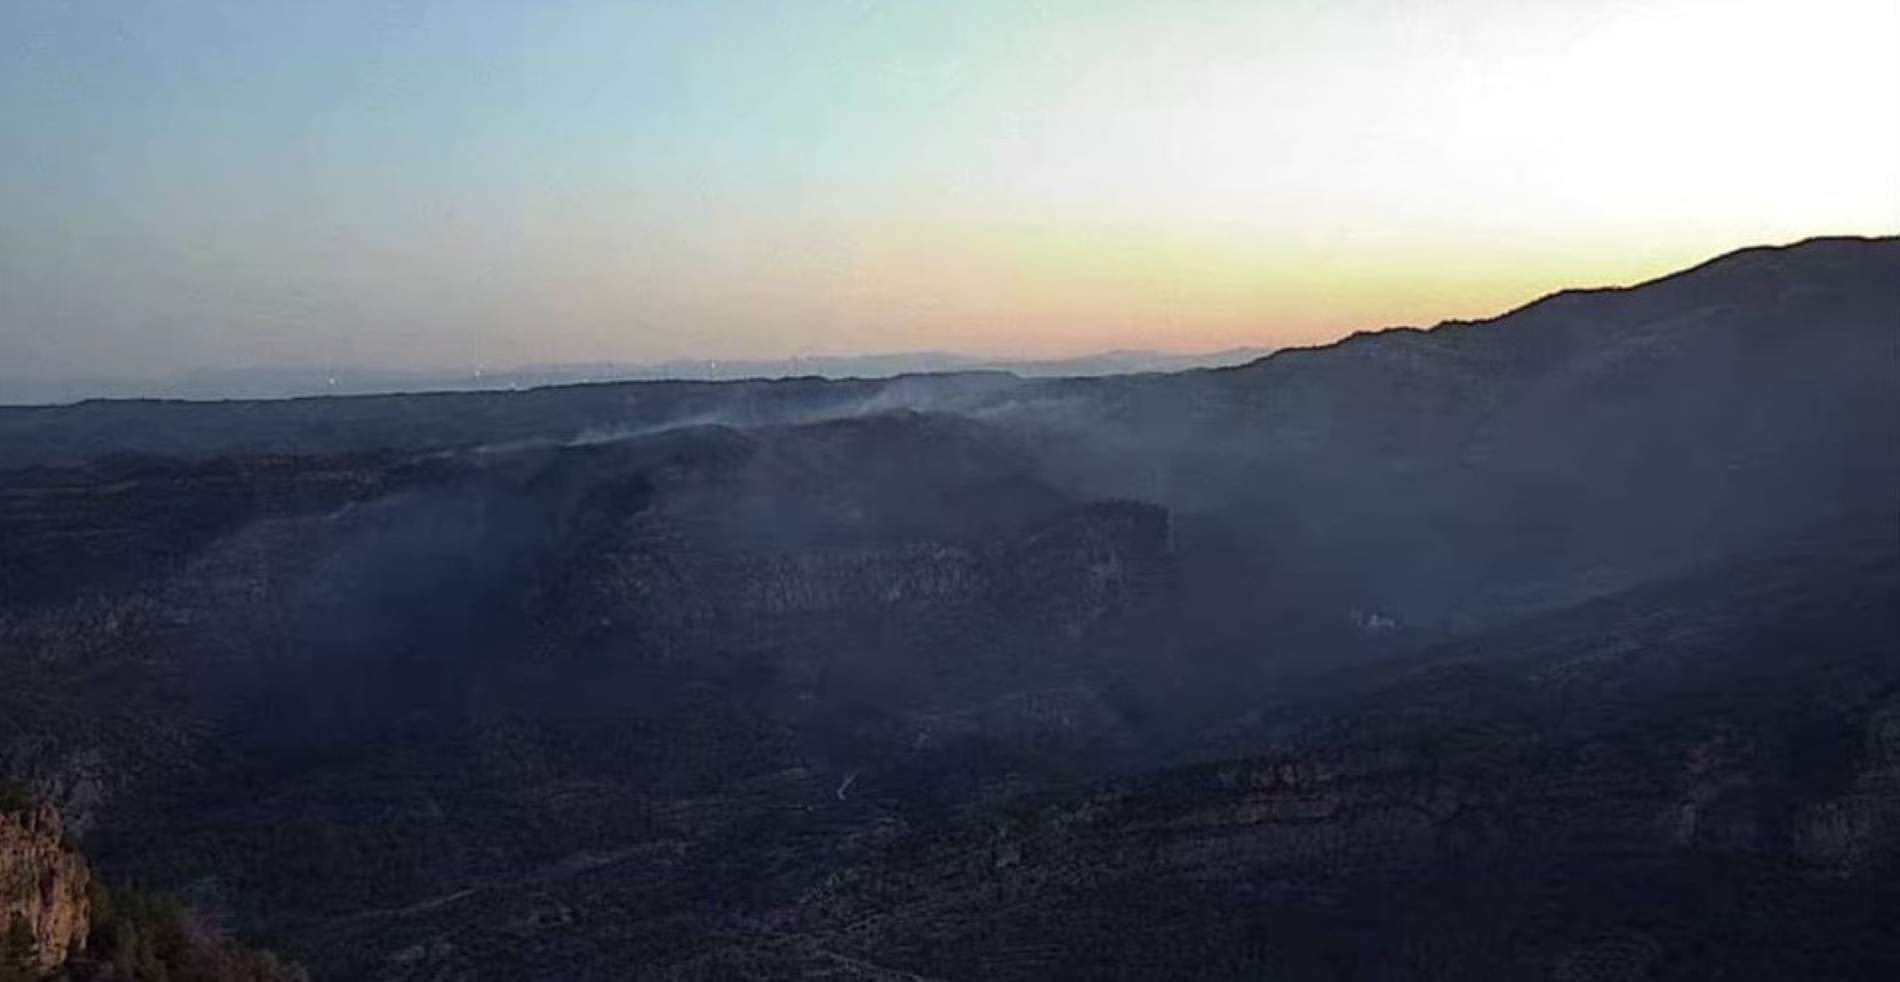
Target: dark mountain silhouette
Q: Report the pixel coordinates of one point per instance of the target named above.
(1559, 645)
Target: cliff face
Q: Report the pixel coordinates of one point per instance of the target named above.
(43, 882)
(1856, 832)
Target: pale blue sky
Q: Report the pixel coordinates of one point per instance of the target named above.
(416, 184)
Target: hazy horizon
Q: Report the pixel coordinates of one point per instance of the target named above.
(434, 188)
(279, 381)
(292, 379)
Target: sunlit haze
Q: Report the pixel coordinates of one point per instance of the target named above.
(205, 185)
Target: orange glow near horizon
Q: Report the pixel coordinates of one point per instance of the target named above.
(513, 184)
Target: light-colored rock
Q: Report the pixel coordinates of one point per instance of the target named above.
(43, 880)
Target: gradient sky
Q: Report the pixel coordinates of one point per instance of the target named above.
(418, 184)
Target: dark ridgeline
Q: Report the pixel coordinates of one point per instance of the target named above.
(1564, 645)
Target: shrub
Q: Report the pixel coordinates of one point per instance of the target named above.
(14, 796)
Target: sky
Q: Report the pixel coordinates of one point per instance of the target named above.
(207, 185)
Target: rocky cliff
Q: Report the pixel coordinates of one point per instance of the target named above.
(43, 883)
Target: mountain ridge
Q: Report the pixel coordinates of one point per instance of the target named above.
(1723, 261)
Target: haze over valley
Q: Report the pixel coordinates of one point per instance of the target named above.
(802, 677)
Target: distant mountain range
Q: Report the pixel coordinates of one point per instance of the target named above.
(287, 381)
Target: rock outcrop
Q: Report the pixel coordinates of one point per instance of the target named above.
(43, 882)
